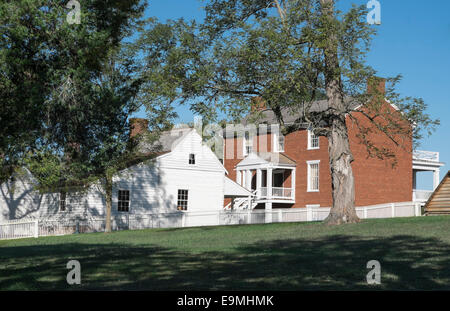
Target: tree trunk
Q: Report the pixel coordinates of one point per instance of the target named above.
(343, 187)
(108, 192)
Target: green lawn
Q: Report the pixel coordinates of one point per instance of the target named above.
(414, 254)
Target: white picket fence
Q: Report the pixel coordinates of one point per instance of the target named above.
(33, 228)
(17, 229)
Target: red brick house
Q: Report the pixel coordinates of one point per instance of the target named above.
(293, 171)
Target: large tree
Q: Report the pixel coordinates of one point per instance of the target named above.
(289, 53)
(66, 91)
(41, 55)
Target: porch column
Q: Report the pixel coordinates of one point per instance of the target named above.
(244, 179)
(238, 177)
(269, 183)
(258, 182)
(293, 171)
(414, 179)
(436, 179)
(269, 196)
(248, 179)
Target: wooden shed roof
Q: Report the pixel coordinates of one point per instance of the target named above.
(439, 201)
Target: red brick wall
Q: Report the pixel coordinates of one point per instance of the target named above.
(376, 181)
(296, 147)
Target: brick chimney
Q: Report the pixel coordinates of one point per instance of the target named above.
(138, 126)
(380, 84)
(258, 104)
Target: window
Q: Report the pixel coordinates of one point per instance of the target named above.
(313, 140)
(62, 201)
(313, 176)
(182, 202)
(278, 142)
(248, 144)
(123, 204)
(192, 159)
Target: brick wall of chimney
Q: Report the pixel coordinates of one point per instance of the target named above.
(380, 84)
(258, 104)
(138, 126)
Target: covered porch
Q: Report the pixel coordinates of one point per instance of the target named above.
(271, 176)
(425, 161)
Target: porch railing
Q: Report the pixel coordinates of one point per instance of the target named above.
(421, 195)
(422, 155)
(277, 193)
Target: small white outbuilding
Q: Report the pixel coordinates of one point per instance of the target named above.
(185, 176)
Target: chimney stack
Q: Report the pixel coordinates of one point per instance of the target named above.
(379, 83)
(138, 126)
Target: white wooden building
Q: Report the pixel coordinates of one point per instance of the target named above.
(186, 176)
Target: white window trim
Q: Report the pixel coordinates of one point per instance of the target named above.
(129, 201)
(276, 143)
(308, 163)
(195, 159)
(65, 203)
(188, 200)
(309, 142)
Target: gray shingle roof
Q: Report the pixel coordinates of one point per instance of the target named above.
(166, 142)
(291, 114)
(276, 158)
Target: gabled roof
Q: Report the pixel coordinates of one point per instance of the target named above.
(166, 142)
(291, 114)
(262, 158)
(439, 201)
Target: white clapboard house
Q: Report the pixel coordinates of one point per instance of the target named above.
(185, 177)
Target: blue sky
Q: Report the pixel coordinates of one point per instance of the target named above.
(413, 40)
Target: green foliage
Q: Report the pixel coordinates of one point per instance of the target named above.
(48, 72)
(248, 48)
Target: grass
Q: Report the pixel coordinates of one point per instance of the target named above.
(414, 254)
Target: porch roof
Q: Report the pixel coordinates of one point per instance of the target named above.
(267, 159)
(233, 189)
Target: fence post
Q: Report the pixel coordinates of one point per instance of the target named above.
(393, 210)
(308, 213)
(249, 217)
(417, 209)
(183, 220)
(365, 212)
(280, 215)
(36, 228)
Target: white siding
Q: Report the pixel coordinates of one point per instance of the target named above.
(153, 187)
(17, 199)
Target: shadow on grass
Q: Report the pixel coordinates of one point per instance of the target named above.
(329, 263)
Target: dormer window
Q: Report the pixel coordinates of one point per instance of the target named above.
(191, 159)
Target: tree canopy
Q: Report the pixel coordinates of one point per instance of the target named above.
(50, 73)
(289, 53)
